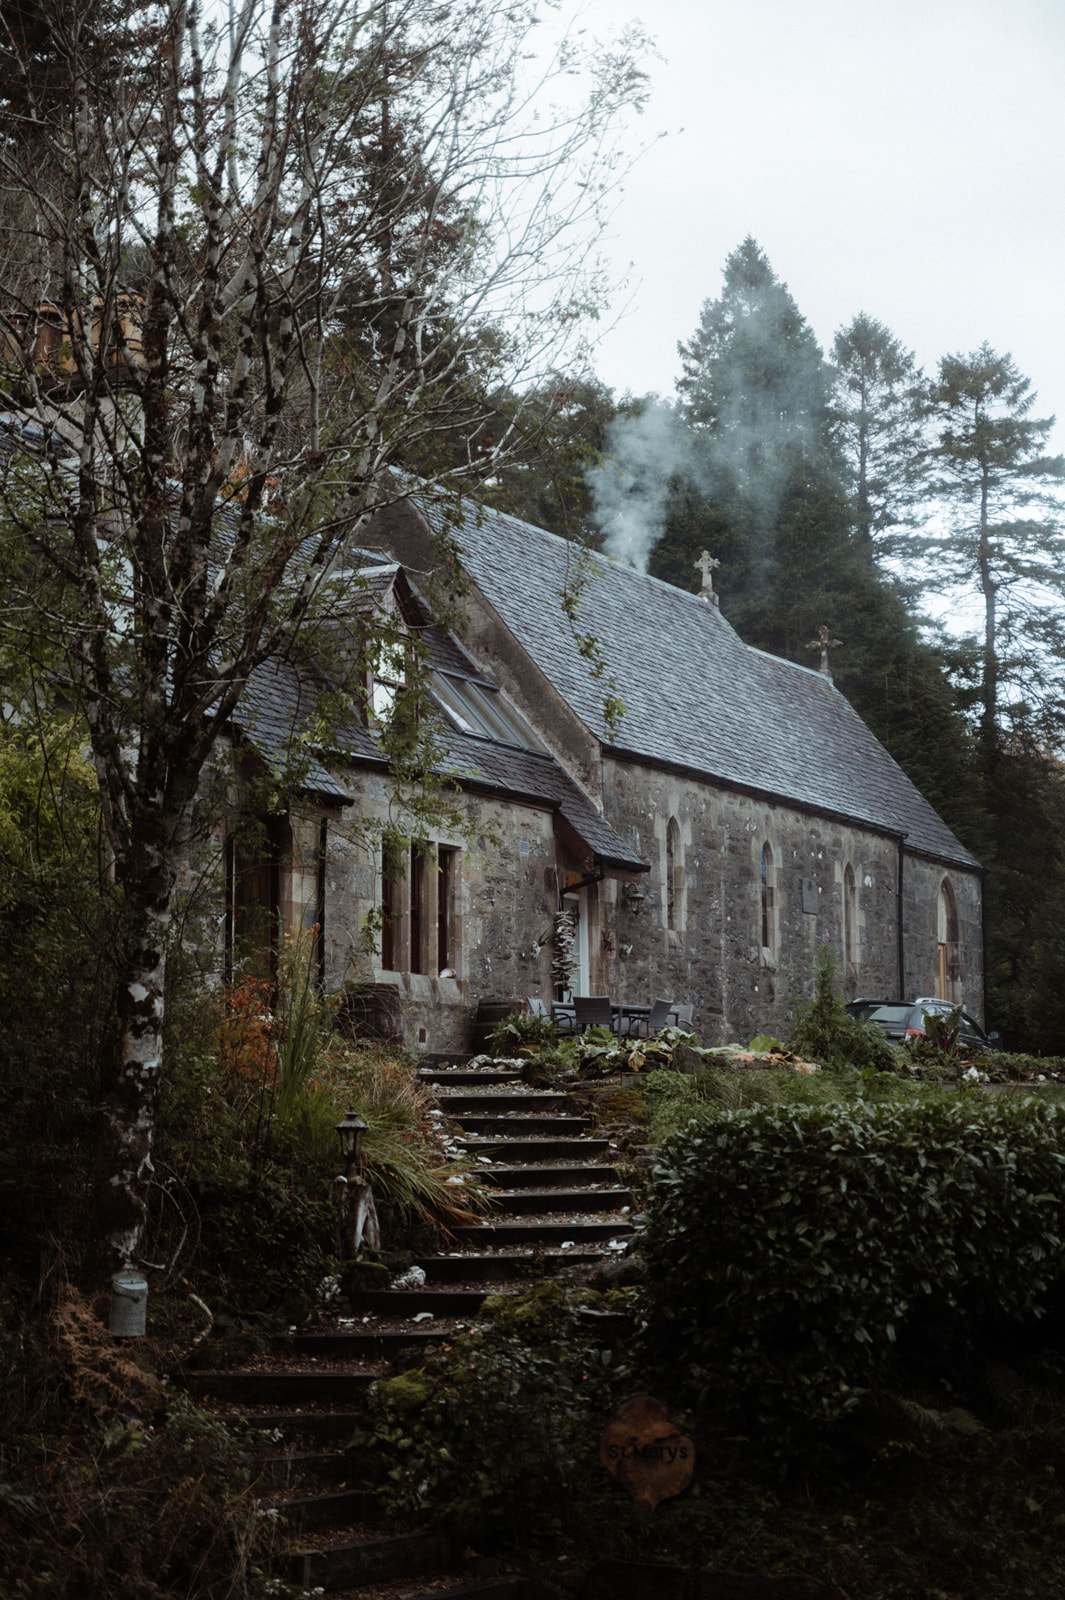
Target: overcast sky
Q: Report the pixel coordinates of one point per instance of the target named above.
(900, 157)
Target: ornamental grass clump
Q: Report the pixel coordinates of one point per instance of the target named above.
(416, 1179)
(802, 1255)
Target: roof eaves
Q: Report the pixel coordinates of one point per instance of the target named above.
(809, 808)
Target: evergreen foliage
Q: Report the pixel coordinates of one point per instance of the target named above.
(878, 408)
(802, 1255)
(562, 426)
(826, 1032)
(1003, 539)
(773, 494)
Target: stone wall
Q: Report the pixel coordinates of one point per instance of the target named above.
(922, 884)
(715, 957)
(501, 909)
(742, 961)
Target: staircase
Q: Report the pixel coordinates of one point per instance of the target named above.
(557, 1203)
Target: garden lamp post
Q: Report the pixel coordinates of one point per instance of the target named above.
(354, 1195)
(350, 1130)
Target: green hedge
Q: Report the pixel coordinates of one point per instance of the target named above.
(792, 1250)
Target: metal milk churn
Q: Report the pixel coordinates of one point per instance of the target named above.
(129, 1304)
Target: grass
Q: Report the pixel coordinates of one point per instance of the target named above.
(400, 1153)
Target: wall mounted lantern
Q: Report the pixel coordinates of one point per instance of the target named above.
(635, 896)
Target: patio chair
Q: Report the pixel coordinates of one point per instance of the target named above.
(593, 1011)
(656, 1018)
(537, 1007)
(681, 1016)
(563, 1017)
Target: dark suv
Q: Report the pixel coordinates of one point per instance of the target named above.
(902, 1019)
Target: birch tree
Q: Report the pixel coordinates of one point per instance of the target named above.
(272, 256)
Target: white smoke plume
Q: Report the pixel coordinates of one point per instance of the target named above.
(631, 488)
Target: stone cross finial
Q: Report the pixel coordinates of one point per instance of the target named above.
(824, 643)
(706, 565)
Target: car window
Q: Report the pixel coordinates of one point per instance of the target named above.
(887, 1013)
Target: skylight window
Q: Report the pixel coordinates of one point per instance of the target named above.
(476, 709)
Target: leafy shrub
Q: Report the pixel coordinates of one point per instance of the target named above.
(938, 1051)
(243, 1042)
(674, 1098)
(826, 1031)
(520, 1030)
(797, 1253)
(493, 1430)
(270, 1241)
(1005, 1066)
(602, 1053)
(57, 941)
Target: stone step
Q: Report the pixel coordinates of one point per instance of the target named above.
(494, 1589)
(408, 1302)
(280, 1386)
(524, 1102)
(517, 1588)
(302, 1469)
(304, 1512)
(363, 1561)
(533, 1148)
(516, 1125)
(523, 1202)
(367, 1343)
(461, 1078)
(543, 1175)
(542, 1232)
(521, 1267)
(304, 1428)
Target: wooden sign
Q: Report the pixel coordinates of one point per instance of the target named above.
(646, 1452)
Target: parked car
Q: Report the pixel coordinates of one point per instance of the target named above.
(902, 1019)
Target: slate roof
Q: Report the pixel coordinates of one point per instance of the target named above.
(525, 774)
(272, 709)
(279, 698)
(696, 696)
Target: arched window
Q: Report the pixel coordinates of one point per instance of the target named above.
(948, 940)
(768, 919)
(850, 919)
(673, 856)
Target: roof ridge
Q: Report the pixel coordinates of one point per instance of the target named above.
(786, 661)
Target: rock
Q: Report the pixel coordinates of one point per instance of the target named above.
(618, 1272)
(685, 1059)
(406, 1392)
(413, 1278)
(360, 1275)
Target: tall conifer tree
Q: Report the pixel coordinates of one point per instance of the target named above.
(1002, 540)
(878, 399)
(776, 504)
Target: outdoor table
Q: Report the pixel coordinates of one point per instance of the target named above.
(623, 1012)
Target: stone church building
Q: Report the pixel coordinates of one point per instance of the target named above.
(739, 815)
